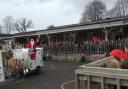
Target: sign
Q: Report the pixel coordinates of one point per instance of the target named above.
(2, 77)
(20, 54)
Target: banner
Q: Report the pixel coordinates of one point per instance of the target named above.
(2, 77)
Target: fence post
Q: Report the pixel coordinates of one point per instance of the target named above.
(102, 82)
(88, 82)
(118, 83)
(2, 78)
(77, 81)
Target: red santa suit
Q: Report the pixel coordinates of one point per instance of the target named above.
(32, 45)
(95, 40)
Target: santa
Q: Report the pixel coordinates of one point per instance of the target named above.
(32, 46)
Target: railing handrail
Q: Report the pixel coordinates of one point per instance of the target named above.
(87, 48)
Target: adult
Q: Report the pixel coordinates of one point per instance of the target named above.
(119, 60)
(121, 55)
(33, 45)
(95, 40)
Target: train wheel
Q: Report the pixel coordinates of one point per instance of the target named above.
(38, 70)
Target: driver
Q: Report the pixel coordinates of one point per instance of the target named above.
(32, 45)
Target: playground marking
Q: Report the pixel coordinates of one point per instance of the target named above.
(62, 86)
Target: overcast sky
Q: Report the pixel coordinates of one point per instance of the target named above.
(46, 12)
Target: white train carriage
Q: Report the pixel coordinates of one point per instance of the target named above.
(25, 61)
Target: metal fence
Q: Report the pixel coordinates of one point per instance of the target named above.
(88, 48)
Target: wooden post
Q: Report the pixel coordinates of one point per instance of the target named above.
(73, 34)
(102, 82)
(106, 32)
(118, 83)
(77, 83)
(88, 82)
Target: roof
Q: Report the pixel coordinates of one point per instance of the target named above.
(108, 22)
(6, 35)
(79, 24)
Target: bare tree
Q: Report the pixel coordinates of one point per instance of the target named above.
(17, 27)
(114, 12)
(22, 25)
(93, 12)
(120, 9)
(8, 24)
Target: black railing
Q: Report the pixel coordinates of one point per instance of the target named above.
(87, 48)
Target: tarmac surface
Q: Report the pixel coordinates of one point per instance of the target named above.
(57, 75)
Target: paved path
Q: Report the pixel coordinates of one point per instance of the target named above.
(55, 75)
